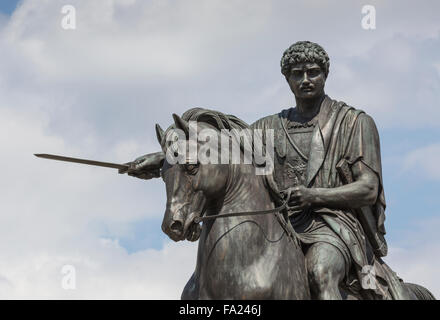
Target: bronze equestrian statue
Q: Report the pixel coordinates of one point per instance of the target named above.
(327, 172)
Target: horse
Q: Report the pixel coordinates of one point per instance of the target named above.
(240, 256)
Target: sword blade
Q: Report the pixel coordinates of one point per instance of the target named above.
(83, 161)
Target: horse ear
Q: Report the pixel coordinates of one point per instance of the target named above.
(181, 124)
(159, 133)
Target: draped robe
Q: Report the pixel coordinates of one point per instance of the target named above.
(342, 132)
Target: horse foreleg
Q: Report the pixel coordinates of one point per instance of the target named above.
(190, 292)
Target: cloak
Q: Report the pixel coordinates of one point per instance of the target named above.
(342, 132)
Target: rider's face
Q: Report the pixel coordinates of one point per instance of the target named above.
(306, 80)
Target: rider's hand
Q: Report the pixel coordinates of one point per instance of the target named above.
(300, 198)
(150, 174)
(139, 168)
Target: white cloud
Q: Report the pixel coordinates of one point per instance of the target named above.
(56, 213)
(103, 270)
(425, 160)
(417, 259)
(419, 266)
(128, 39)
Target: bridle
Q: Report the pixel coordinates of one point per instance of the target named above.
(285, 224)
(245, 213)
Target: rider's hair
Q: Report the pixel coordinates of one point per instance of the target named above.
(304, 51)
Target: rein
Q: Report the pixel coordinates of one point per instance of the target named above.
(285, 225)
(244, 213)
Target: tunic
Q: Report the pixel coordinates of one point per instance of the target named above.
(291, 171)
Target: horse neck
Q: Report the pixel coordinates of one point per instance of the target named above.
(245, 190)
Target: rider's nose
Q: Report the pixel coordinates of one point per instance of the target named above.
(306, 79)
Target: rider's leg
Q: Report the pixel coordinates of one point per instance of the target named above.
(326, 269)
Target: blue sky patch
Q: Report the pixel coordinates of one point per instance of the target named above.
(8, 6)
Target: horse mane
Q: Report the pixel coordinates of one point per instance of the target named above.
(215, 118)
(230, 122)
(221, 121)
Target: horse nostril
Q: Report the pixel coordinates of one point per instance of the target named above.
(177, 227)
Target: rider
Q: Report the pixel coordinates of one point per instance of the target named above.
(327, 159)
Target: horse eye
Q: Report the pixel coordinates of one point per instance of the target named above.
(192, 168)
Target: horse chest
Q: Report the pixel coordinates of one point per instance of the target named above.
(237, 260)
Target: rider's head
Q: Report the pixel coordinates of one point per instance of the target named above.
(305, 65)
(304, 51)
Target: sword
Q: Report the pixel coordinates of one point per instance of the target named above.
(123, 167)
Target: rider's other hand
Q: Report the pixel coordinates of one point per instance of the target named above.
(301, 198)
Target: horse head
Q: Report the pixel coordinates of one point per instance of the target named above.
(191, 185)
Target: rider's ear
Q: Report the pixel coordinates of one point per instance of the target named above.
(181, 124)
(159, 133)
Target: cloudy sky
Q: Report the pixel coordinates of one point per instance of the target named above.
(97, 91)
